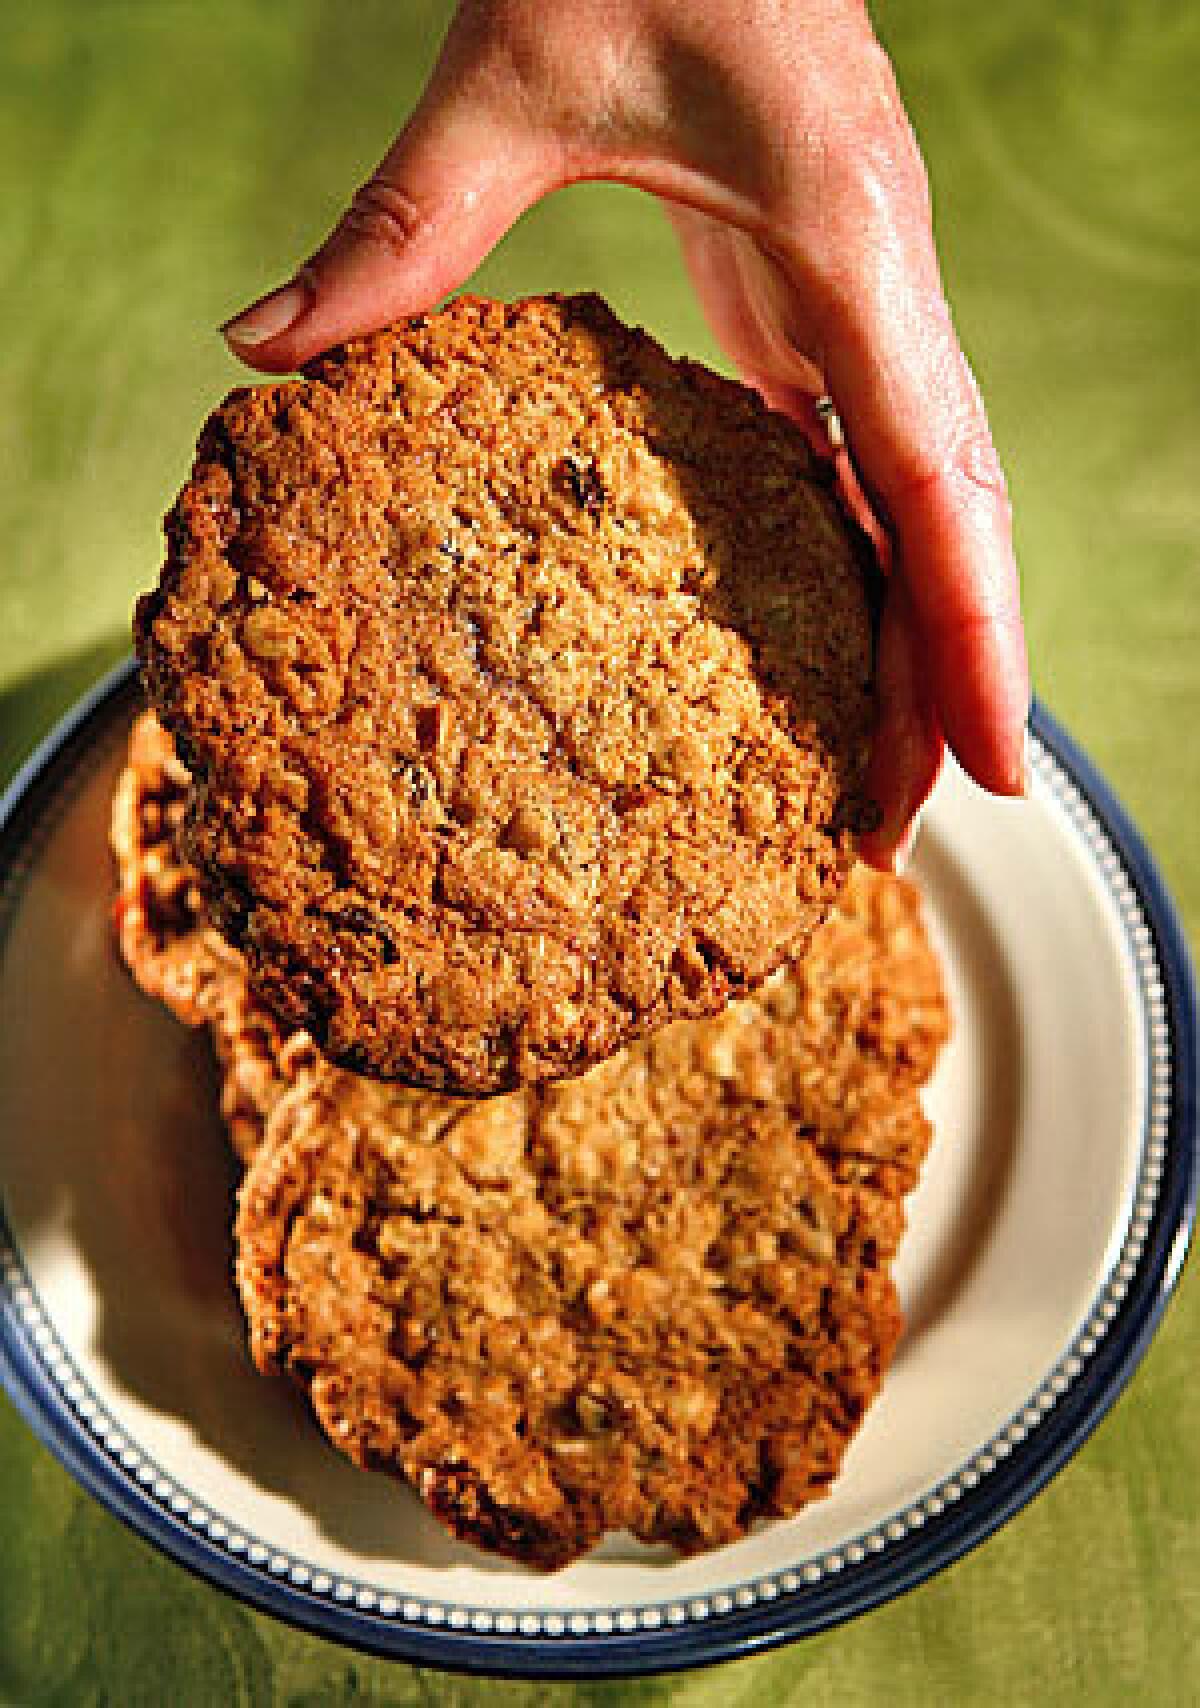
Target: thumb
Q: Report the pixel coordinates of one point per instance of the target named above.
(460, 174)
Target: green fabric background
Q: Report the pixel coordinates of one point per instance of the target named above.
(159, 164)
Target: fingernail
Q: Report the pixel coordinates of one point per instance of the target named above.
(268, 317)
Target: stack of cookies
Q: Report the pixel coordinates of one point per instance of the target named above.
(518, 683)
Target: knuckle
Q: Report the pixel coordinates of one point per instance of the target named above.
(382, 213)
(975, 461)
(952, 448)
(963, 472)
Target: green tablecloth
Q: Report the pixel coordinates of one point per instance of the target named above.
(159, 163)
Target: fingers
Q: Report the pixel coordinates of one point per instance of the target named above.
(829, 272)
(947, 504)
(461, 173)
(742, 302)
(843, 293)
(920, 438)
(906, 753)
(745, 315)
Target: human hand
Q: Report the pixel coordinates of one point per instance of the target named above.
(775, 136)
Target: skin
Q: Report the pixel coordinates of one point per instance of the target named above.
(774, 135)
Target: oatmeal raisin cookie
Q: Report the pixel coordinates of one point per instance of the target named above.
(525, 674)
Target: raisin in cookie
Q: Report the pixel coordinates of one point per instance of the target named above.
(672, 1330)
(525, 677)
(856, 1025)
(657, 1298)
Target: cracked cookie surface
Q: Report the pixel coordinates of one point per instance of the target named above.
(671, 1328)
(525, 676)
(657, 1297)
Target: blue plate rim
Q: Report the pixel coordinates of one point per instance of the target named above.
(1021, 1460)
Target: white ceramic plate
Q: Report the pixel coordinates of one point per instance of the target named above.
(1047, 1231)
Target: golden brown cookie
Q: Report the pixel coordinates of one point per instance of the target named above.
(655, 1298)
(161, 930)
(175, 956)
(672, 1328)
(525, 675)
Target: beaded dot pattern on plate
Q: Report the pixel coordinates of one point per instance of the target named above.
(19, 1302)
